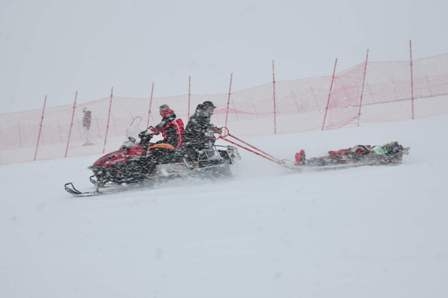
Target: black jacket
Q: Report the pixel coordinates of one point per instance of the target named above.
(198, 132)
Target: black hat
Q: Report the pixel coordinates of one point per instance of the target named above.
(207, 104)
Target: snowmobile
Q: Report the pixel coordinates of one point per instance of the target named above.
(136, 162)
(359, 155)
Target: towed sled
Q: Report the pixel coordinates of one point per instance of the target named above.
(142, 163)
(359, 155)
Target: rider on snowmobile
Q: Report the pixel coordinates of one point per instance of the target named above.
(171, 128)
(199, 131)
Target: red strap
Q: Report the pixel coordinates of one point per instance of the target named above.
(226, 136)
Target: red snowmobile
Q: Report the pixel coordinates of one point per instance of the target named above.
(145, 161)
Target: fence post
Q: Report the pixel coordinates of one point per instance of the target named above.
(363, 85)
(108, 119)
(329, 94)
(228, 99)
(40, 127)
(273, 97)
(150, 103)
(189, 97)
(71, 124)
(411, 64)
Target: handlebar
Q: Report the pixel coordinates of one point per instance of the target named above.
(145, 136)
(224, 132)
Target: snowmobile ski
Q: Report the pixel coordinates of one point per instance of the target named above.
(71, 189)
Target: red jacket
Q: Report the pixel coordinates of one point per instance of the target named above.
(172, 130)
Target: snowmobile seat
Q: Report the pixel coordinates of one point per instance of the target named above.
(164, 146)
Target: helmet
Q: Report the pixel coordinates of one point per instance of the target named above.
(208, 104)
(206, 108)
(165, 111)
(199, 107)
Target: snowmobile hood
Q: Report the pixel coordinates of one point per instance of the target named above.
(119, 156)
(110, 158)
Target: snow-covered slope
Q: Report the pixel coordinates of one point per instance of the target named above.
(266, 232)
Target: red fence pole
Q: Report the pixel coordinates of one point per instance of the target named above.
(363, 85)
(40, 128)
(329, 94)
(108, 119)
(228, 99)
(273, 97)
(411, 62)
(189, 97)
(71, 124)
(150, 103)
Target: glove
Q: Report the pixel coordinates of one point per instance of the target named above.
(154, 130)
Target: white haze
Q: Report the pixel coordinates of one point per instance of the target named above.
(56, 47)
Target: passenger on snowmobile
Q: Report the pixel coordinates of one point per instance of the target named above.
(199, 131)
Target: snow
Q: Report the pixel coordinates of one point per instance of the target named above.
(265, 232)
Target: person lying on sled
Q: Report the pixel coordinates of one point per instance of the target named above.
(354, 153)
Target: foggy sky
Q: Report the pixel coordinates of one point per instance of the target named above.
(57, 47)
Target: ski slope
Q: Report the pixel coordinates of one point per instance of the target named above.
(265, 232)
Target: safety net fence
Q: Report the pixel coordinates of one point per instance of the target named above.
(365, 93)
